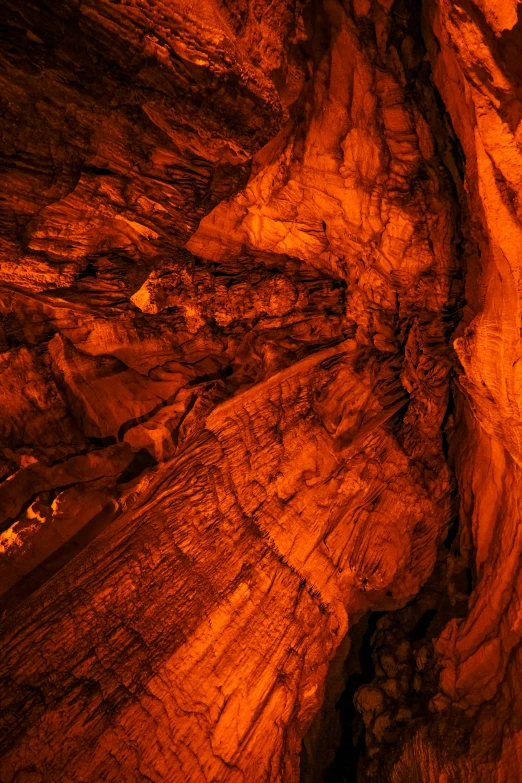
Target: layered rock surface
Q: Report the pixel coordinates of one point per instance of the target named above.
(475, 49)
(233, 238)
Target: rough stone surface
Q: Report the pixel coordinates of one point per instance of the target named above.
(260, 326)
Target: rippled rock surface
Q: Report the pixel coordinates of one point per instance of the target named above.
(260, 341)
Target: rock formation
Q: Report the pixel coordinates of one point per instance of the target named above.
(260, 328)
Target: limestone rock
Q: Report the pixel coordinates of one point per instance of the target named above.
(241, 397)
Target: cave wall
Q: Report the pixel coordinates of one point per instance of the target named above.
(475, 49)
(234, 239)
(122, 126)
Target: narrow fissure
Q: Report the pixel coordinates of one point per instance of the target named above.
(391, 674)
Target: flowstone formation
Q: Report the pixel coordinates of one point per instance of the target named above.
(260, 338)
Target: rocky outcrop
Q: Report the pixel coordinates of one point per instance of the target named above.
(475, 50)
(234, 238)
(122, 126)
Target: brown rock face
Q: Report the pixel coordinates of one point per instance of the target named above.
(476, 54)
(260, 341)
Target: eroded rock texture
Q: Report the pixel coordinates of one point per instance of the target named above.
(233, 242)
(476, 53)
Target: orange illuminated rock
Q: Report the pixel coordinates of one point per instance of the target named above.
(231, 263)
(475, 49)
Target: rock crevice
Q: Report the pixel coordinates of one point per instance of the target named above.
(259, 327)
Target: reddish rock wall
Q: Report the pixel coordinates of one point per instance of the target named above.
(232, 249)
(476, 52)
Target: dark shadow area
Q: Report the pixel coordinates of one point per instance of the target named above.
(344, 768)
(41, 574)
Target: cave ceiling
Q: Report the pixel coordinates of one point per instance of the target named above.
(260, 391)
